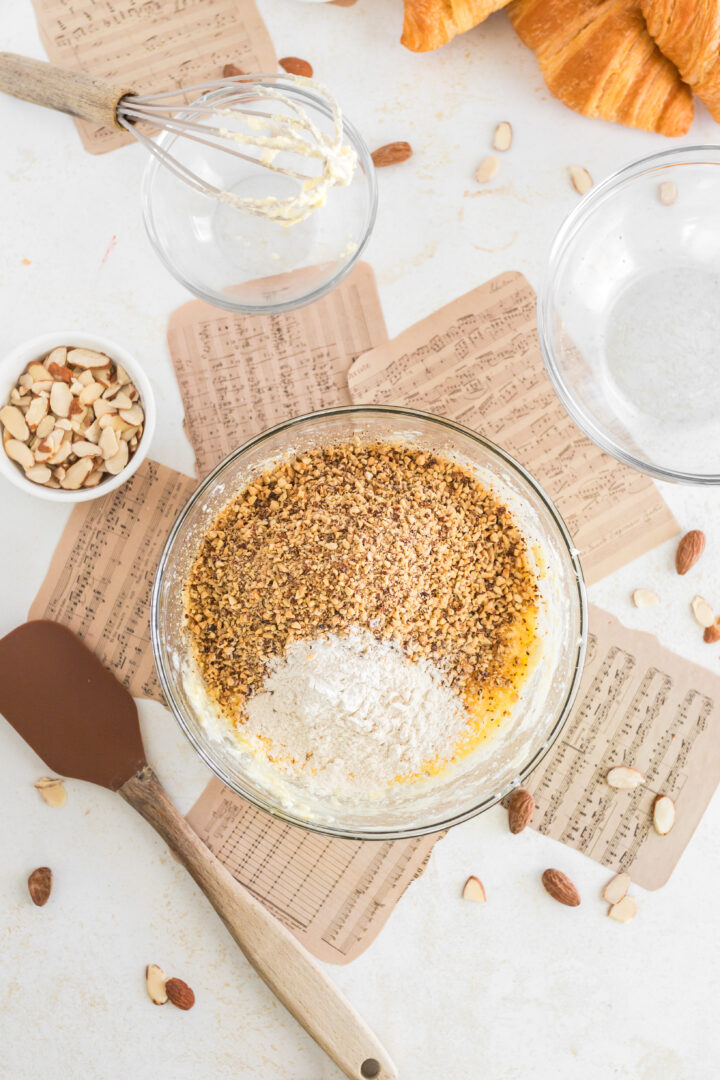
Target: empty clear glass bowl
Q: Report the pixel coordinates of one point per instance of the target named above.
(629, 315)
(523, 738)
(245, 263)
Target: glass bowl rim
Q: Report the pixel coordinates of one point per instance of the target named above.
(563, 239)
(202, 748)
(365, 161)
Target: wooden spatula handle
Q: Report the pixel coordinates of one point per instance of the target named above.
(290, 972)
(72, 92)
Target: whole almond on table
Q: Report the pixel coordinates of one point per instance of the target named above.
(179, 993)
(689, 550)
(616, 889)
(561, 888)
(295, 66)
(155, 983)
(520, 809)
(474, 890)
(391, 154)
(625, 778)
(40, 885)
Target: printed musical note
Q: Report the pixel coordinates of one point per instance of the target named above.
(152, 46)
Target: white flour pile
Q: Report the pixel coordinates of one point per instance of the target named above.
(353, 713)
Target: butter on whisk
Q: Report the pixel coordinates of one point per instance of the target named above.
(276, 134)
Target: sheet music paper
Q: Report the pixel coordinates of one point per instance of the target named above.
(334, 895)
(152, 45)
(640, 705)
(478, 361)
(239, 375)
(100, 578)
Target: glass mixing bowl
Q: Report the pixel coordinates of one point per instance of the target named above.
(522, 740)
(629, 315)
(245, 263)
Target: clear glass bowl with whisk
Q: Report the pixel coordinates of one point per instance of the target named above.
(233, 259)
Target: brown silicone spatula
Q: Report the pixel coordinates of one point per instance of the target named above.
(84, 724)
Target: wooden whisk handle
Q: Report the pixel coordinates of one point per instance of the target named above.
(66, 91)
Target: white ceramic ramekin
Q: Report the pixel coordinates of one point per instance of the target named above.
(12, 366)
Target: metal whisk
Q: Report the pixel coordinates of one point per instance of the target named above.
(268, 133)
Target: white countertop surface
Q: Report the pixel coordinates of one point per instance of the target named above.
(520, 987)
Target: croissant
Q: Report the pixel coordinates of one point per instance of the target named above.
(688, 33)
(598, 58)
(431, 23)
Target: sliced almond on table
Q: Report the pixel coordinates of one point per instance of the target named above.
(702, 611)
(40, 885)
(581, 179)
(474, 890)
(52, 790)
(487, 169)
(502, 140)
(625, 910)
(20, 453)
(155, 979)
(561, 888)
(60, 398)
(663, 814)
(624, 778)
(87, 358)
(77, 473)
(231, 71)
(616, 889)
(711, 634)
(689, 550)
(645, 598)
(14, 422)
